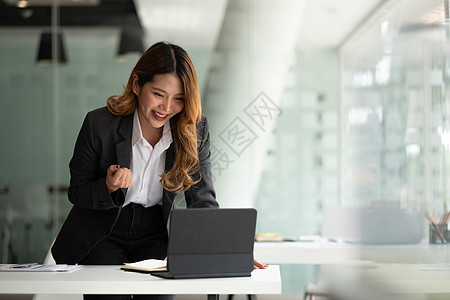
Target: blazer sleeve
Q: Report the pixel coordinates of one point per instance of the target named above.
(202, 194)
(88, 176)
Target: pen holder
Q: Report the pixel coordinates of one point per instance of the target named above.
(438, 233)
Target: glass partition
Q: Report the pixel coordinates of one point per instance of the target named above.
(45, 99)
(394, 108)
(29, 145)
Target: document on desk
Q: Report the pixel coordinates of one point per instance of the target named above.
(38, 268)
(146, 266)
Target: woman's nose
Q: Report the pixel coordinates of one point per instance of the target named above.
(166, 104)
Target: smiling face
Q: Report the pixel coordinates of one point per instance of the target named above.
(159, 100)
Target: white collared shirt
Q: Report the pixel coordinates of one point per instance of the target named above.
(147, 166)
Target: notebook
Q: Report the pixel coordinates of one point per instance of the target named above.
(210, 242)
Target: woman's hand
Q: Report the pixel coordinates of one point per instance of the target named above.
(259, 265)
(117, 177)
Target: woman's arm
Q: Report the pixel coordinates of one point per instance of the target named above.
(88, 187)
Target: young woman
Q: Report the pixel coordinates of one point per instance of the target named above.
(130, 160)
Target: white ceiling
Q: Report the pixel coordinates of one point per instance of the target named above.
(327, 23)
(197, 23)
(193, 23)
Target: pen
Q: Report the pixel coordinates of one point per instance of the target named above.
(432, 219)
(22, 266)
(439, 233)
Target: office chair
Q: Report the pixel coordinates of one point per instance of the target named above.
(313, 290)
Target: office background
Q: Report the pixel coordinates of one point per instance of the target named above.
(311, 104)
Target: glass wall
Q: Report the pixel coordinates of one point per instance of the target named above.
(44, 103)
(394, 108)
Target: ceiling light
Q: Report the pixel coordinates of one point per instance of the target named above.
(22, 4)
(45, 49)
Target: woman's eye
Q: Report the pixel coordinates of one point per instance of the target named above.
(179, 99)
(158, 95)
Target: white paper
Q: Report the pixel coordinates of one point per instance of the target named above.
(148, 264)
(38, 268)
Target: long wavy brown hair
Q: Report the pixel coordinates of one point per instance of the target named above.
(165, 58)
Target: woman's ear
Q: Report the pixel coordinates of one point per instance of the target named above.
(135, 84)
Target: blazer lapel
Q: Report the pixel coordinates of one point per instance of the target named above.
(123, 147)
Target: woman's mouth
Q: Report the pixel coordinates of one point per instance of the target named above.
(159, 116)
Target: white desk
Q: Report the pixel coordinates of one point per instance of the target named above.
(392, 269)
(406, 281)
(303, 252)
(325, 252)
(410, 278)
(112, 280)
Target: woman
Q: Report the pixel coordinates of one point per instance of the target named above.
(130, 160)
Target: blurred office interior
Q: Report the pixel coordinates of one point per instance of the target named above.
(311, 104)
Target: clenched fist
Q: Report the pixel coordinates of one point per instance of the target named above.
(117, 177)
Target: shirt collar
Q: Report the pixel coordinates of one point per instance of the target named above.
(137, 136)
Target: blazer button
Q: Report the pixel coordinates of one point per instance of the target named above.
(105, 230)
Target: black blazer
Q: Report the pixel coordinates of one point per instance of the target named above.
(104, 140)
